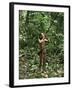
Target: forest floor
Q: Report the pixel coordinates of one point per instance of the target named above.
(30, 69)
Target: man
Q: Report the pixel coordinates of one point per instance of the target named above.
(42, 40)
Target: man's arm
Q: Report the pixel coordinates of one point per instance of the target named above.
(40, 41)
(46, 40)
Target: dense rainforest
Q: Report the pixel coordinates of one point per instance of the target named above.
(31, 24)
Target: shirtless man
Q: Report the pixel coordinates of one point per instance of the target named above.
(42, 40)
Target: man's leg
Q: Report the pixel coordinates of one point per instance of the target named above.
(40, 64)
(44, 60)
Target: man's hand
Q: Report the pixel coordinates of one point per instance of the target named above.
(46, 40)
(42, 40)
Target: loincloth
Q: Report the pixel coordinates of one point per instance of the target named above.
(42, 51)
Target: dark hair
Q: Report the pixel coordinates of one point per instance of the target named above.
(40, 36)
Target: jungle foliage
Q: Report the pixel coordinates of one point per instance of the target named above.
(31, 24)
